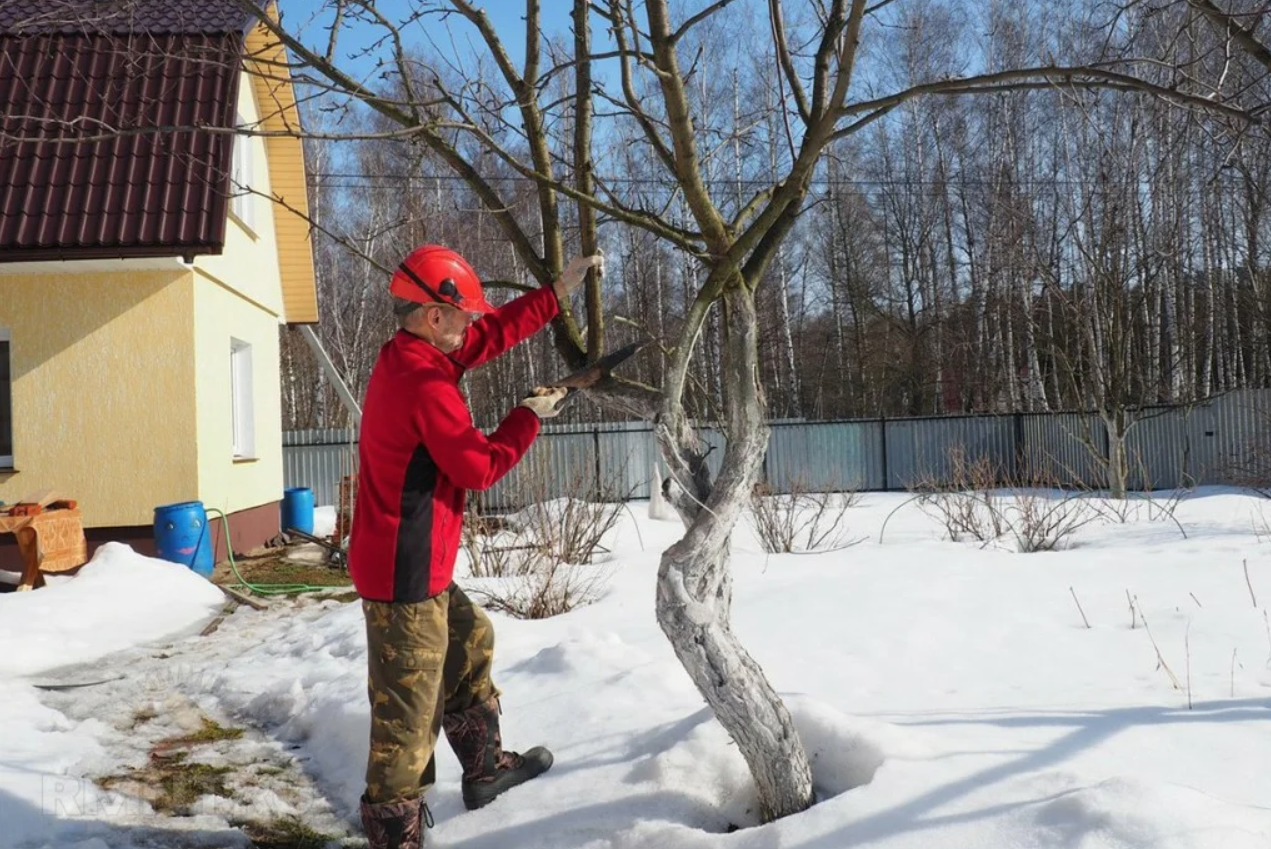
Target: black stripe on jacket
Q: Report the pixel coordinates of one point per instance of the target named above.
(413, 565)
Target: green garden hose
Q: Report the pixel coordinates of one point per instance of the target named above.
(262, 589)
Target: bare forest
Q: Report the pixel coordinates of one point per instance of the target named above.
(1031, 249)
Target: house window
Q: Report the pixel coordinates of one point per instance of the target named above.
(6, 403)
(241, 178)
(242, 406)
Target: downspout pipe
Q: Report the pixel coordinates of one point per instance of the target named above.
(346, 397)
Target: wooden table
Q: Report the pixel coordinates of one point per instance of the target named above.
(50, 541)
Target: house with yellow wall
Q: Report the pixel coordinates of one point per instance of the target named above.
(148, 257)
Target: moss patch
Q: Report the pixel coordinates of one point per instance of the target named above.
(285, 833)
(182, 784)
(170, 783)
(211, 732)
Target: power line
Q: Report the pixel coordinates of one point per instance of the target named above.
(396, 180)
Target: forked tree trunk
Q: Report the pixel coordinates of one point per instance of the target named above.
(1118, 461)
(694, 591)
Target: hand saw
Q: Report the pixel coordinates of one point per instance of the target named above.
(590, 375)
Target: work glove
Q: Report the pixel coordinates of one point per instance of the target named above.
(576, 272)
(543, 400)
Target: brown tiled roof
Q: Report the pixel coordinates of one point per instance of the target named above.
(156, 17)
(83, 171)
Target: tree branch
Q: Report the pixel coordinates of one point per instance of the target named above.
(698, 18)
(787, 64)
(583, 177)
(632, 101)
(1080, 77)
(525, 91)
(399, 53)
(686, 240)
(827, 50)
(328, 69)
(680, 120)
(788, 194)
(1243, 36)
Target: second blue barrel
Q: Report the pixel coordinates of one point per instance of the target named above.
(297, 509)
(181, 535)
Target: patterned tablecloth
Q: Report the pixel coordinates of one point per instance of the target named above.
(50, 541)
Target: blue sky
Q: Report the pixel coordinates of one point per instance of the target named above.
(508, 17)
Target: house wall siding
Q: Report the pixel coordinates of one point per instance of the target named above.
(221, 314)
(277, 102)
(103, 390)
(249, 264)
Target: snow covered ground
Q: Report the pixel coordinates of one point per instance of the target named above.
(948, 694)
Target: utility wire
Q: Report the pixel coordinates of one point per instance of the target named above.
(396, 180)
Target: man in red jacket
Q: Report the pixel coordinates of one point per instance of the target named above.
(429, 648)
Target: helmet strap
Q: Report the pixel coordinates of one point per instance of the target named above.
(449, 293)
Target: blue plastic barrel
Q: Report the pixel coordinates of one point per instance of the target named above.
(181, 535)
(297, 509)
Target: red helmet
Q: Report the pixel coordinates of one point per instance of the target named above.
(434, 274)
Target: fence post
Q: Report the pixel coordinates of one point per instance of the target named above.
(595, 445)
(882, 438)
(1019, 446)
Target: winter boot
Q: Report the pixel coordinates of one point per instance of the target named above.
(395, 825)
(488, 770)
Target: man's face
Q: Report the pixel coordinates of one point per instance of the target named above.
(448, 325)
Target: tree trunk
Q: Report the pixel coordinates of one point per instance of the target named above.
(694, 591)
(1118, 465)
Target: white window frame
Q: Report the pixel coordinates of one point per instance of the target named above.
(242, 177)
(6, 460)
(242, 400)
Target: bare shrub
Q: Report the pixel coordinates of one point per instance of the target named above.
(1262, 526)
(800, 520)
(491, 543)
(541, 556)
(571, 529)
(546, 588)
(1147, 504)
(1041, 523)
(1134, 507)
(980, 500)
(966, 502)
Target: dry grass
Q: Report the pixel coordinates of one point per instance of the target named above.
(273, 566)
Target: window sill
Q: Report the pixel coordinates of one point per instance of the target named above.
(245, 460)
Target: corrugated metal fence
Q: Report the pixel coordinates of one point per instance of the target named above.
(1167, 447)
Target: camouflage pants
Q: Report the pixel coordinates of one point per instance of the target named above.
(425, 659)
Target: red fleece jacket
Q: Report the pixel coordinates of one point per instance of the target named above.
(419, 453)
